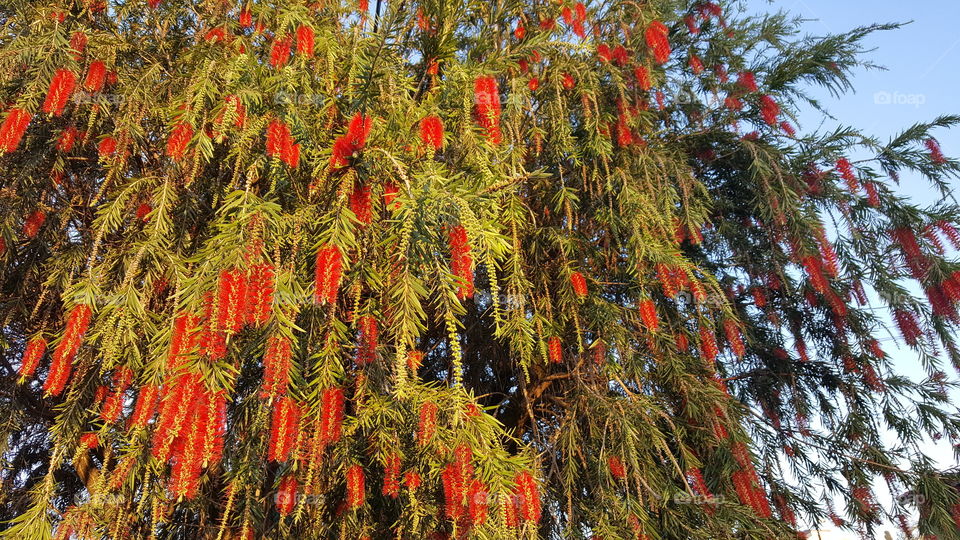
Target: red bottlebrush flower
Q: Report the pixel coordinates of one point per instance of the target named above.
(61, 88)
(683, 343)
(759, 299)
(907, 323)
(950, 232)
(486, 107)
(617, 469)
(814, 268)
(533, 84)
(936, 155)
(427, 425)
(477, 496)
(642, 75)
(245, 18)
(875, 350)
(260, 291)
(331, 419)
(286, 497)
(846, 172)
(107, 147)
(461, 261)
(708, 343)
(734, 337)
(178, 397)
(528, 497)
(431, 132)
(78, 42)
(232, 300)
(579, 284)
(391, 476)
(873, 197)
(747, 81)
(58, 16)
(280, 144)
(32, 354)
(624, 134)
(13, 128)
(734, 104)
(347, 145)
(412, 480)
(828, 255)
(113, 405)
(367, 347)
(519, 32)
(67, 139)
(89, 441)
(656, 37)
(283, 428)
(696, 65)
(603, 52)
(215, 35)
(648, 314)
(78, 321)
(555, 350)
(697, 483)
(361, 205)
(355, 489)
(180, 136)
(280, 51)
(305, 41)
(788, 128)
(770, 110)
(567, 81)
(329, 268)
(96, 76)
(33, 223)
(276, 367)
(453, 490)
(691, 23)
(145, 406)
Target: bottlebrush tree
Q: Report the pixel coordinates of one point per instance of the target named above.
(458, 269)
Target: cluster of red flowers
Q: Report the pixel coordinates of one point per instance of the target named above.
(367, 346)
(579, 284)
(180, 136)
(617, 468)
(276, 367)
(574, 18)
(708, 343)
(60, 367)
(179, 390)
(698, 484)
(747, 483)
(909, 328)
(642, 74)
(747, 82)
(347, 145)
(305, 41)
(618, 55)
(13, 128)
(412, 480)
(145, 406)
(390, 192)
(78, 42)
(691, 23)
(936, 154)
(286, 498)
(356, 493)
(770, 110)
(280, 144)
(284, 428)
(555, 350)
(361, 204)
(525, 502)
(113, 404)
(917, 262)
(331, 415)
(61, 88)
(96, 76)
(391, 476)
(280, 51)
(32, 354)
(431, 132)
(487, 107)
(427, 424)
(31, 225)
(200, 444)
(846, 172)
(734, 337)
(648, 314)
(461, 262)
(107, 147)
(696, 65)
(865, 499)
(328, 272)
(238, 112)
(657, 39)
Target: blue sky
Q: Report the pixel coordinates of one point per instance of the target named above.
(921, 82)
